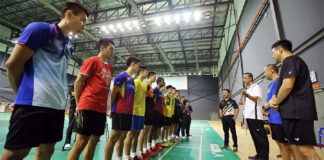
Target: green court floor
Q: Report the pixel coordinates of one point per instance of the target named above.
(204, 145)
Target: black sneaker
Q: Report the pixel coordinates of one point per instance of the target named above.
(225, 147)
(253, 158)
(234, 149)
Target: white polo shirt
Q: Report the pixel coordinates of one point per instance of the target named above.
(253, 90)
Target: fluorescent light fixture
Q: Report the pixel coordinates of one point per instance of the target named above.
(177, 18)
(197, 15)
(104, 28)
(111, 27)
(186, 17)
(199, 73)
(167, 19)
(158, 21)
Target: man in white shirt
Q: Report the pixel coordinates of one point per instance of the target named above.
(253, 115)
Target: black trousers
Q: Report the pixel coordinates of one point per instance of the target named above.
(260, 138)
(180, 128)
(229, 123)
(186, 125)
(72, 124)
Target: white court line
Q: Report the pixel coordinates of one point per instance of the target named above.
(201, 135)
(2, 143)
(167, 151)
(186, 147)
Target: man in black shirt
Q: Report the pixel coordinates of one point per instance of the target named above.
(228, 111)
(295, 101)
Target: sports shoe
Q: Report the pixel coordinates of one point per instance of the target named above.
(234, 149)
(225, 147)
(151, 153)
(66, 147)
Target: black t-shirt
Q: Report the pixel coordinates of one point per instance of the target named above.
(228, 107)
(177, 108)
(300, 103)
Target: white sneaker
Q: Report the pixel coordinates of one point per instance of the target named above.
(67, 146)
(190, 136)
(183, 137)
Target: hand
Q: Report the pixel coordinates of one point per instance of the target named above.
(241, 102)
(274, 107)
(244, 93)
(234, 118)
(12, 106)
(265, 113)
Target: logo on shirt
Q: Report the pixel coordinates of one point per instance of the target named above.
(106, 75)
(289, 72)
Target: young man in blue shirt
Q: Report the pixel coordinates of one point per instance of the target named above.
(271, 73)
(37, 72)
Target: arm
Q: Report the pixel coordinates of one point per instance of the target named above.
(236, 113)
(220, 113)
(285, 89)
(78, 87)
(16, 64)
(113, 95)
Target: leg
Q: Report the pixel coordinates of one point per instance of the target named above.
(308, 152)
(259, 137)
(14, 154)
(225, 129)
(80, 143)
(44, 151)
(120, 144)
(134, 141)
(284, 151)
(233, 131)
(109, 149)
(128, 142)
(91, 147)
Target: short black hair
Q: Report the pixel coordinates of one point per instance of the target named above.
(169, 87)
(151, 74)
(105, 42)
(75, 7)
(178, 91)
(159, 80)
(185, 101)
(227, 90)
(132, 59)
(142, 68)
(274, 67)
(183, 97)
(173, 88)
(285, 44)
(249, 74)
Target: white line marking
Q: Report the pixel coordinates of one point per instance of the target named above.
(187, 147)
(167, 151)
(201, 135)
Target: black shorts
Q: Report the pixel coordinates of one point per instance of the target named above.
(90, 123)
(157, 119)
(31, 126)
(166, 121)
(121, 122)
(148, 119)
(299, 132)
(278, 133)
(175, 119)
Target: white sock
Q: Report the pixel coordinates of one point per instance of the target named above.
(144, 150)
(133, 155)
(153, 143)
(127, 157)
(148, 145)
(119, 158)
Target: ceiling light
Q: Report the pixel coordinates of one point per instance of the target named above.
(167, 19)
(158, 21)
(186, 17)
(177, 18)
(104, 28)
(111, 27)
(197, 15)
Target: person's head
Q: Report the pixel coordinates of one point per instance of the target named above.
(169, 89)
(247, 78)
(106, 47)
(160, 82)
(142, 72)
(173, 90)
(270, 70)
(182, 98)
(74, 15)
(133, 63)
(162, 88)
(151, 77)
(280, 49)
(186, 102)
(226, 93)
(177, 94)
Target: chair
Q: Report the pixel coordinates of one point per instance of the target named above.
(320, 135)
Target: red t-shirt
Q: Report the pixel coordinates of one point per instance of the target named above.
(96, 88)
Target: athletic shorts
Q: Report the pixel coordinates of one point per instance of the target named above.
(157, 119)
(278, 133)
(90, 123)
(30, 126)
(121, 122)
(299, 132)
(137, 123)
(149, 118)
(166, 121)
(175, 119)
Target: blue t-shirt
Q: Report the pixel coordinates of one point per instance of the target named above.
(274, 116)
(44, 81)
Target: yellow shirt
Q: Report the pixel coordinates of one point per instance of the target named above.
(169, 106)
(139, 98)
